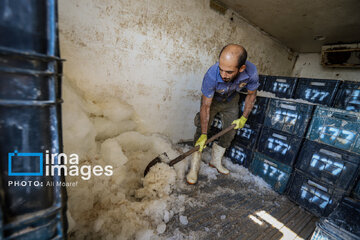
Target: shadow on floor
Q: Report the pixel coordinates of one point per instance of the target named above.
(231, 209)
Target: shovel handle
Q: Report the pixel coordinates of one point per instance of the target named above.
(194, 149)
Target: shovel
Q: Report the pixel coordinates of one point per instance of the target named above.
(164, 158)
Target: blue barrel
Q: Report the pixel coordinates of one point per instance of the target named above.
(30, 120)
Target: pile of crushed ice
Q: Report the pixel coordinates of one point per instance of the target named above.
(125, 205)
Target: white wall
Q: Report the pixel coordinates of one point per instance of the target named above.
(309, 65)
(153, 54)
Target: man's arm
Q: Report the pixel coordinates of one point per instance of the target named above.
(249, 103)
(205, 113)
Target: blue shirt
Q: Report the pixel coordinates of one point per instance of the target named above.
(214, 86)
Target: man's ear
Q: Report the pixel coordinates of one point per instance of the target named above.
(242, 68)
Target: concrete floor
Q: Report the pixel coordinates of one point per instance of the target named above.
(227, 208)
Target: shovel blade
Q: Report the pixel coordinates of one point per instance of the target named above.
(161, 158)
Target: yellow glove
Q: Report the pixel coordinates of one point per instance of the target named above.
(239, 122)
(201, 142)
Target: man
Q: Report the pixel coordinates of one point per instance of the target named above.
(220, 88)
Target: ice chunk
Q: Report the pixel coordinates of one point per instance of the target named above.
(98, 224)
(161, 228)
(145, 234)
(166, 216)
(124, 205)
(183, 220)
(210, 172)
(77, 127)
(106, 128)
(112, 153)
(158, 182)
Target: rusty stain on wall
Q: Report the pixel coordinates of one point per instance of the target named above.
(153, 52)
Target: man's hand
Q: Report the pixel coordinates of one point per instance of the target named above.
(201, 142)
(239, 122)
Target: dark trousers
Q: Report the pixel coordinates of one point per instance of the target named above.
(229, 111)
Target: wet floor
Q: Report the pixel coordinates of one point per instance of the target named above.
(228, 208)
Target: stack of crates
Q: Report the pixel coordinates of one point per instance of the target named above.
(245, 140)
(324, 166)
(280, 140)
(328, 164)
(322, 159)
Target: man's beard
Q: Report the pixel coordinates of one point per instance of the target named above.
(230, 79)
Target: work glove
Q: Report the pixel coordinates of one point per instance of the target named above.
(201, 142)
(239, 122)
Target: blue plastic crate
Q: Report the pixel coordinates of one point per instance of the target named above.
(212, 132)
(281, 146)
(335, 127)
(342, 223)
(287, 116)
(283, 87)
(328, 164)
(259, 110)
(321, 91)
(348, 96)
(326, 230)
(248, 135)
(315, 196)
(273, 172)
(356, 191)
(239, 154)
(217, 123)
(262, 81)
(347, 216)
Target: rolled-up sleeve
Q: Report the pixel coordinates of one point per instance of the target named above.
(208, 85)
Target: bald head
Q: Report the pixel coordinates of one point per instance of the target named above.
(232, 60)
(233, 54)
